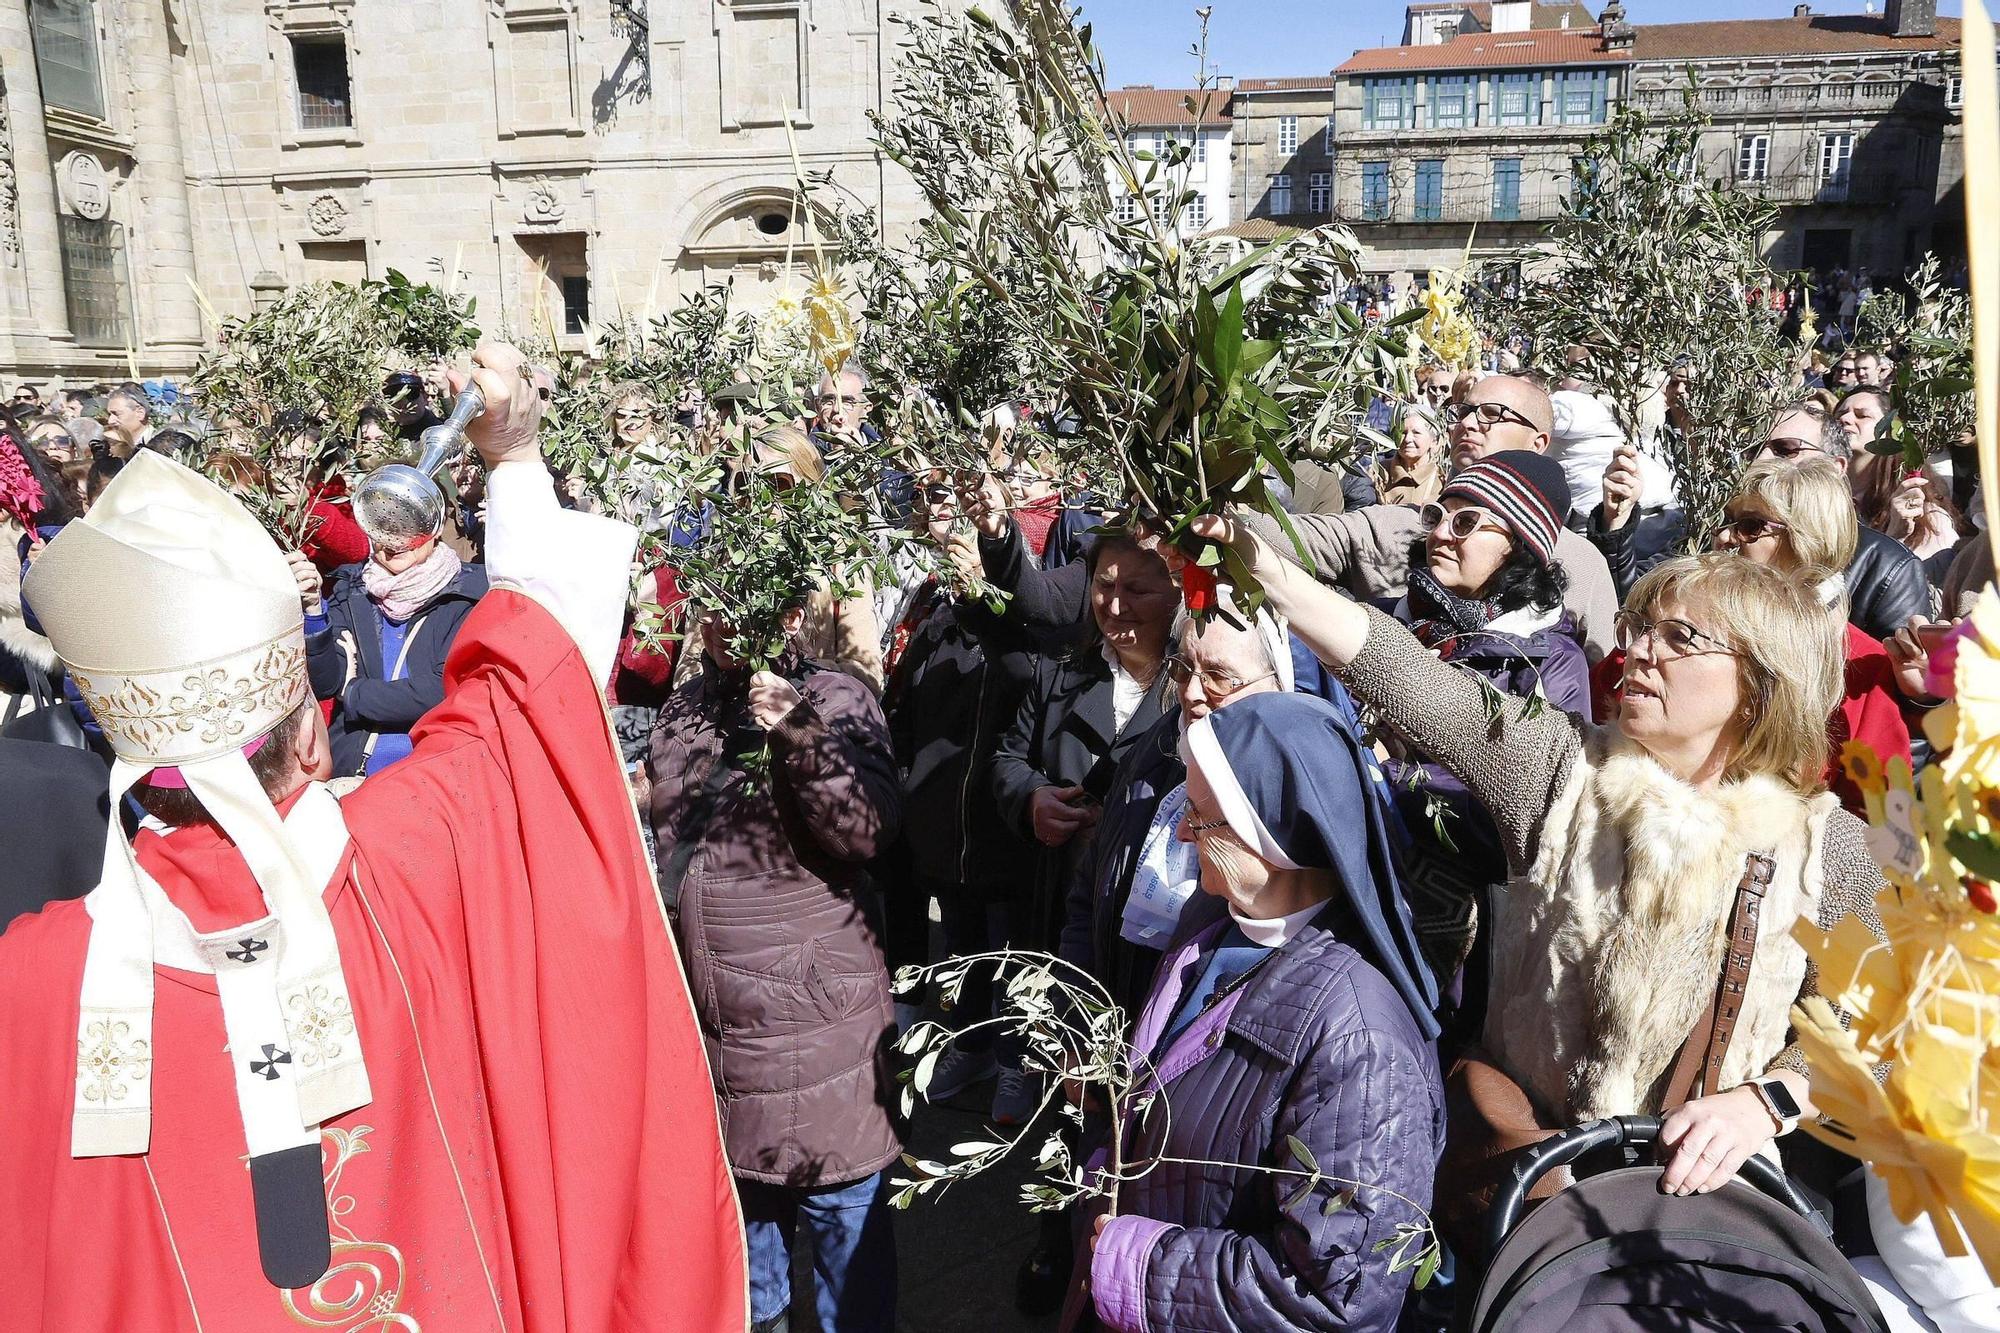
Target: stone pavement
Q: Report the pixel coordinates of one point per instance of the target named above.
(956, 1253)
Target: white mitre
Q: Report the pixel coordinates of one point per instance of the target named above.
(179, 620)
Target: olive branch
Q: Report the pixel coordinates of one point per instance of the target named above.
(1074, 1032)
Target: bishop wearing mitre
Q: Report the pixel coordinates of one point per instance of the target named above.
(416, 1059)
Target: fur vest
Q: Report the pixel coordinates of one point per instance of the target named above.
(15, 636)
(1611, 946)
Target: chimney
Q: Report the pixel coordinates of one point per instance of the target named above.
(1801, 11)
(1911, 18)
(1513, 15)
(1225, 83)
(1618, 34)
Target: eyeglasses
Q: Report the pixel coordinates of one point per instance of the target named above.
(1462, 522)
(1754, 527)
(1672, 637)
(1787, 446)
(1487, 414)
(629, 414)
(1201, 826)
(1215, 684)
(842, 400)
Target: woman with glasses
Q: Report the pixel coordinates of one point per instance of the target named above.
(1796, 517)
(1486, 595)
(1414, 474)
(1291, 1023)
(1628, 850)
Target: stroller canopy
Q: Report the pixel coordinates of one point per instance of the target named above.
(1611, 1254)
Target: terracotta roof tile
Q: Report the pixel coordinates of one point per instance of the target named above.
(1254, 229)
(1150, 107)
(1822, 34)
(1314, 83)
(1489, 50)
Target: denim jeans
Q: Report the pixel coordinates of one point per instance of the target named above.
(974, 926)
(853, 1244)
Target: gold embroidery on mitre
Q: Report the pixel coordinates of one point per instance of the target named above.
(362, 1292)
(109, 1059)
(214, 706)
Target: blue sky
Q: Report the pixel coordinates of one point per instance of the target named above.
(1147, 41)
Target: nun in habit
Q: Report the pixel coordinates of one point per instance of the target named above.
(1301, 1010)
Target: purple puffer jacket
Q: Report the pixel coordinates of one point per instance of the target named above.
(1317, 1045)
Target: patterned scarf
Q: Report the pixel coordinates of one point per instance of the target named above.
(400, 596)
(1437, 614)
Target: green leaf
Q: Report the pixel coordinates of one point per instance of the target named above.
(1336, 1201)
(1300, 1153)
(1427, 1269)
(1977, 852)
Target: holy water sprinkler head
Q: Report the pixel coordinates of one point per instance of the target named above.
(400, 505)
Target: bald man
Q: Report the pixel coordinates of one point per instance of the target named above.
(1367, 551)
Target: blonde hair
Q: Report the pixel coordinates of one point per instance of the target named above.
(1790, 655)
(790, 450)
(1810, 496)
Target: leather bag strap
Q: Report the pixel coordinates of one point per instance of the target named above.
(1699, 1065)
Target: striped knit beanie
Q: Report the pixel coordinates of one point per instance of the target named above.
(1525, 490)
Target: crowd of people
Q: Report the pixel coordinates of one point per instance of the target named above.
(1441, 849)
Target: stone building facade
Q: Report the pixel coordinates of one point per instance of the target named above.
(565, 161)
(1285, 136)
(1848, 124)
(1157, 117)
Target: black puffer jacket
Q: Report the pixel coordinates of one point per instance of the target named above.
(956, 687)
(370, 704)
(1885, 586)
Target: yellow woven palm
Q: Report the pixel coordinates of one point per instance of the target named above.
(1925, 1006)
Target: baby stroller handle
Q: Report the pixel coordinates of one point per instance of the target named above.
(1625, 1131)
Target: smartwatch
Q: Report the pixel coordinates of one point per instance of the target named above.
(1778, 1100)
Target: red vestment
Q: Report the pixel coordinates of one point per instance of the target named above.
(541, 1151)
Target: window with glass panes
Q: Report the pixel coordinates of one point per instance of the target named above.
(65, 38)
(1388, 104)
(1836, 159)
(1374, 191)
(1430, 189)
(320, 64)
(1753, 157)
(1319, 193)
(1200, 147)
(1506, 189)
(576, 302)
(95, 280)
(1580, 96)
(1954, 90)
(1197, 214)
(1451, 103)
(1517, 99)
(1127, 208)
(1280, 198)
(1288, 134)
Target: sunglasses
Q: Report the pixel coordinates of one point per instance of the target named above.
(1791, 447)
(1461, 523)
(1754, 527)
(1672, 637)
(1487, 414)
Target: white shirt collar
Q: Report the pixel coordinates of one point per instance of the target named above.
(1277, 931)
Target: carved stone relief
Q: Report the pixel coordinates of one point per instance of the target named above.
(545, 207)
(10, 194)
(85, 186)
(327, 215)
